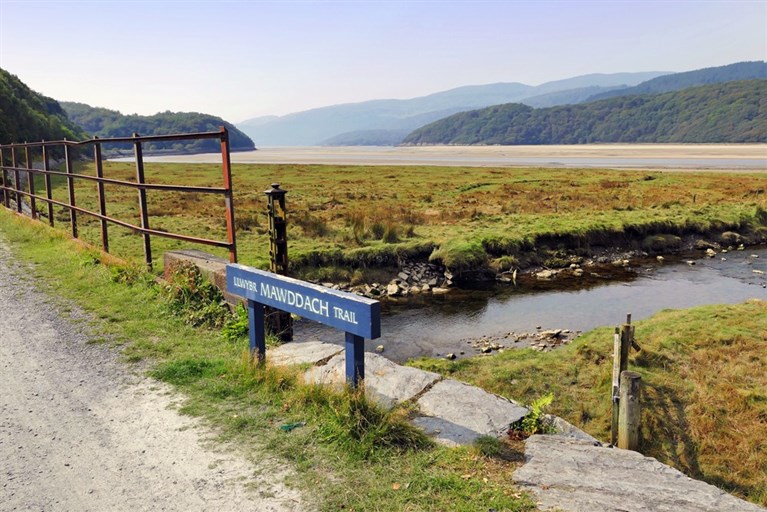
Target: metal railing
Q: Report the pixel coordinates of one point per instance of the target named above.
(16, 191)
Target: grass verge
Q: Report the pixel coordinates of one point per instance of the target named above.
(704, 396)
(347, 453)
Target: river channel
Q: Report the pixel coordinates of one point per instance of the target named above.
(435, 325)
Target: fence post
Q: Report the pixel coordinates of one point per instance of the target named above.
(16, 178)
(142, 201)
(628, 428)
(100, 191)
(70, 188)
(226, 164)
(615, 386)
(6, 193)
(30, 183)
(48, 191)
(623, 339)
(280, 322)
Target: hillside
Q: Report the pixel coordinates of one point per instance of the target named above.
(29, 116)
(679, 81)
(729, 112)
(388, 117)
(103, 122)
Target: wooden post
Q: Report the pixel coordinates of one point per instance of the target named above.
(48, 188)
(622, 341)
(280, 322)
(30, 183)
(628, 427)
(70, 188)
(615, 397)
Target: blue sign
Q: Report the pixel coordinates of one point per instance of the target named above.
(344, 311)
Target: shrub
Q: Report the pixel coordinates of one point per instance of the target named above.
(190, 296)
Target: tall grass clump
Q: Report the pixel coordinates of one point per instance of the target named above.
(192, 297)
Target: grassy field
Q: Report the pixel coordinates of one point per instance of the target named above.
(704, 397)
(348, 455)
(357, 217)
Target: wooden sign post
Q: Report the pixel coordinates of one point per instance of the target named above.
(359, 317)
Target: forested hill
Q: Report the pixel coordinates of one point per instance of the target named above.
(29, 116)
(727, 112)
(678, 81)
(103, 123)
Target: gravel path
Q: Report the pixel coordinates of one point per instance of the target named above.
(79, 432)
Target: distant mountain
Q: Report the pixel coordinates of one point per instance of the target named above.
(726, 112)
(368, 138)
(386, 117)
(679, 81)
(568, 97)
(104, 123)
(29, 116)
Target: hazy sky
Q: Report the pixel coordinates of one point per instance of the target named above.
(241, 59)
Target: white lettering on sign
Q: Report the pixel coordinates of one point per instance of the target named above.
(299, 300)
(295, 299)
(246, 284)
(345, 315)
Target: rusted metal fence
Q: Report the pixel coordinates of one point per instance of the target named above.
(12, 185)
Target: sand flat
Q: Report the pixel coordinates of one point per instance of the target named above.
(743, 157)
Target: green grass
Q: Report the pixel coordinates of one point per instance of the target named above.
(347, 454)
(704, 398)
(357, 217)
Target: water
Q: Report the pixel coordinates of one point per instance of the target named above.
(437, 325)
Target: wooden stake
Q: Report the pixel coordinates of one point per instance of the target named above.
(628, 426)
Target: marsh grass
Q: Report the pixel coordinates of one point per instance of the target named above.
(347, 452)
(336, 210)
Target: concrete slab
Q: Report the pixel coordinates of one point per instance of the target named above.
(310, 352)
(572, 475)
(385, 382)
(456, 413)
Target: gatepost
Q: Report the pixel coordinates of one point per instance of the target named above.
(359, 317)
(280, 323)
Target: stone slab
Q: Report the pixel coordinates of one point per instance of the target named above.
(309, 352)
(455, 413)
(385, 382)
(577, 476)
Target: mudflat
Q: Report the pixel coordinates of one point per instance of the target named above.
(720, 157)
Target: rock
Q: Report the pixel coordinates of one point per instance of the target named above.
(392, 289)
(380, 349)
(403, 276)
(690, 262)
(439, 290)
(660, 258)
(710, 252)
(574, 266)
(754, 256)
(578, 272)
(503, 279)
(554, 472)
(755, 271)
(425, 288)
(731, 237)
(445, 405)
(433, 282)
(486, 350)
(309, 352)
(545, 274)
(741, 247)
(450, 356)
(724, 259)
(555, 333)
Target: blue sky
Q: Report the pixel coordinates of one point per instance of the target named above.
(242, 59)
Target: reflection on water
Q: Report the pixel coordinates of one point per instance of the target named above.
(432, 325)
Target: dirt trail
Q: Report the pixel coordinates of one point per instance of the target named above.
(79, 432)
